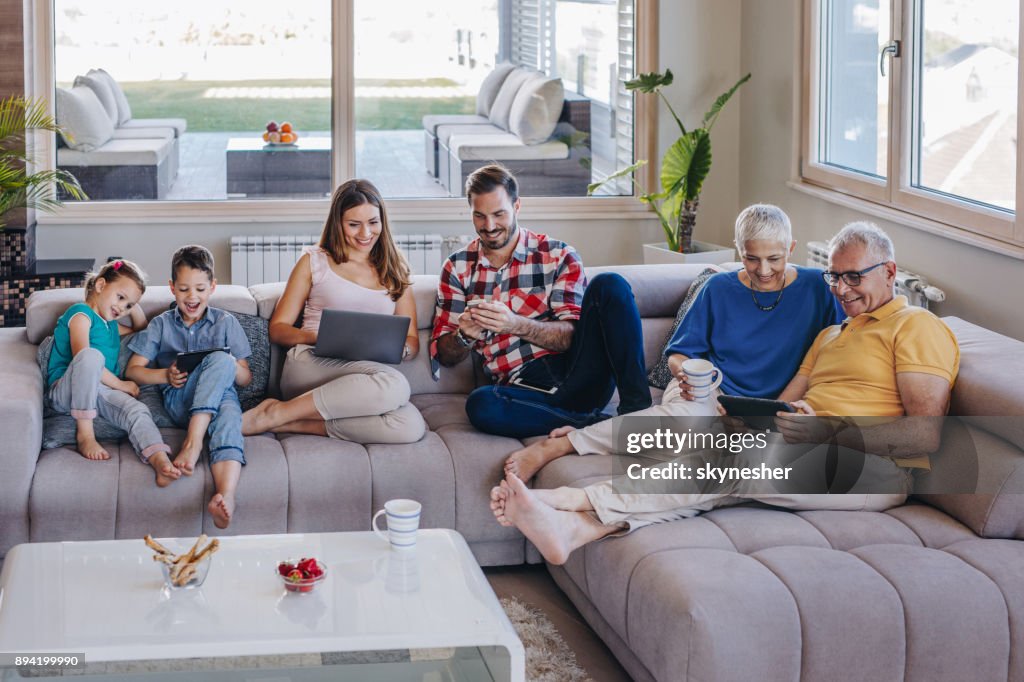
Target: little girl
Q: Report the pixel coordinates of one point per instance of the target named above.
(81, 377)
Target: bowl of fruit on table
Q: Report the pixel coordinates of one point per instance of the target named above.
(280, 134)
(302, 575)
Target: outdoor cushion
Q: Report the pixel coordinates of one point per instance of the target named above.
(145, 152)
(432, 121)
(536, 109)
(445, 132)
(101, 89)
(143, 134)
(490, 86)
(659, 376)
(85, 123)
(124, 110)
(502, 107)
(179, 124)
(505, 146)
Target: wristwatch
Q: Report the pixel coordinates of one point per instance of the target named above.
(463, 340)
(406, 351)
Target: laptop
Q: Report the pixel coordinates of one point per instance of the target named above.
(349, 335)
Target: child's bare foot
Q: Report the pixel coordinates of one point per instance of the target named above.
(531, 459)
(90, 448)
(188, 456)
(166, 472)
(221, 508)
(258, 419)
(499, 494)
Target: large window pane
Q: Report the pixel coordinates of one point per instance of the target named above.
(853, 97)
(415, 59)
(965, 133)
(223, 69)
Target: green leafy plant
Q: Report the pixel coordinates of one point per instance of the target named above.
(18, 189)
(684, 168)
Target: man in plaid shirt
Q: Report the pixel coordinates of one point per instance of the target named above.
(554, 353)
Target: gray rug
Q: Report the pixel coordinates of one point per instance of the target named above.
(548, 657)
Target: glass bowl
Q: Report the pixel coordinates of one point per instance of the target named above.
(294, 583)
(202, 569)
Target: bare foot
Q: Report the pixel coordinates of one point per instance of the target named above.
(188, 456)
(555, 533)
(257, 420)
(90, 448)
(564, 498)
(531, 459)
(561, 431)
(499, 494)
(221, 508)
(166, 472)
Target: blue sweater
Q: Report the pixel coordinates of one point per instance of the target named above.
(758, 352)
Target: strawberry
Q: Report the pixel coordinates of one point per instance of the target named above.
(295, 575)
(284, 568)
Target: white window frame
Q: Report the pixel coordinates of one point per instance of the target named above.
(40, 83)
(894, 197)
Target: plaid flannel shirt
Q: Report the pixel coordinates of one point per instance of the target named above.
(543, 280)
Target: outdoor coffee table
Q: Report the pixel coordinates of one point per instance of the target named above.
(380, 613)
(255, 168)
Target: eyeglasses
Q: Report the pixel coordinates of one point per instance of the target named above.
(851, 278)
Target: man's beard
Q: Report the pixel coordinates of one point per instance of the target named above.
(512, 233)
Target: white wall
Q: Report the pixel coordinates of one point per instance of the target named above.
(698, 40)
(981, 286)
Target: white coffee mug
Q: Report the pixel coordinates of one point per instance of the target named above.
(403, 518)
(702, 376)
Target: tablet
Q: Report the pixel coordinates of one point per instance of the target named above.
(740, 406)
(187, 362)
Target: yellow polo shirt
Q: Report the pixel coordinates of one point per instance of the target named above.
(852, 367)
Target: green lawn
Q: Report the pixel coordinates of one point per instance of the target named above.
(184, 99)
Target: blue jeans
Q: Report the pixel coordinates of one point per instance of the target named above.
(607, 351)
(210, 387)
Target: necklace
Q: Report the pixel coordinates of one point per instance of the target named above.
(765, 308)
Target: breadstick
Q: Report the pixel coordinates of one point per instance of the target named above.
(209, 549)
(185, 574)
(156, 546)
(187, 556)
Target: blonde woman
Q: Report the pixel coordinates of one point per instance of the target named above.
(356, 267)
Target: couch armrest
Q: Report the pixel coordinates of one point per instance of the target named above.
(21, 423)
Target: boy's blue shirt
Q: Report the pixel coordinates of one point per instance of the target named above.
(167, 335)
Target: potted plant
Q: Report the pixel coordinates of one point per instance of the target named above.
(684, 168)
(18, 188)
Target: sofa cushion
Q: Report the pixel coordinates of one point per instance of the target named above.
(143, 134)
(445, 132)
(178, 124)
(101, 89)
(124, 110)
(120, 152)
(490, 87)
(536, 108)
(506, 146)
(659, 376)
(502, 107)
(255, 328)
(83, 120)
(431, 122)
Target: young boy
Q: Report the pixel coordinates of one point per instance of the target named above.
(204, 399)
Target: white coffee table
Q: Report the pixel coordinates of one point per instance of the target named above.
(431, 611)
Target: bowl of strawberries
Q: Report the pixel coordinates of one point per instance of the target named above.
(302, 575)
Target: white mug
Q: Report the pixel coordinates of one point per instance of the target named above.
(702, 376)
(403, 521)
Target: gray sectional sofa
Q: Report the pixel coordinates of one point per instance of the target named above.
(932, 590)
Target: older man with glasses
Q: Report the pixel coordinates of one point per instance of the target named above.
(887, 360)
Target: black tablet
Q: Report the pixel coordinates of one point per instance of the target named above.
(189, 361)
(740, 406)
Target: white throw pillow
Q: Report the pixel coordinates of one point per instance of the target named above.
(502, 106)
(103, 93)
(490, 87)
(536, 109)
(124, 111)
(81, 116)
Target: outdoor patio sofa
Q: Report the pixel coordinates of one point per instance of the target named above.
(113, 155)
(524, 120)
(931, 590)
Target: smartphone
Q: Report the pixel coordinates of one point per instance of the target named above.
(740, 406)
(473, 302)
(533, 386)
(187, 362)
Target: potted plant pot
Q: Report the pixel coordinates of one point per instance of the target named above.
(703, 252)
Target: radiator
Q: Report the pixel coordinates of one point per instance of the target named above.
(913, 286)
(256, 259)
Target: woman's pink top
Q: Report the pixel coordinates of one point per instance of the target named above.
(331, 290)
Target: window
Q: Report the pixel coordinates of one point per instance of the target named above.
(912, 104)
(353, 80)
